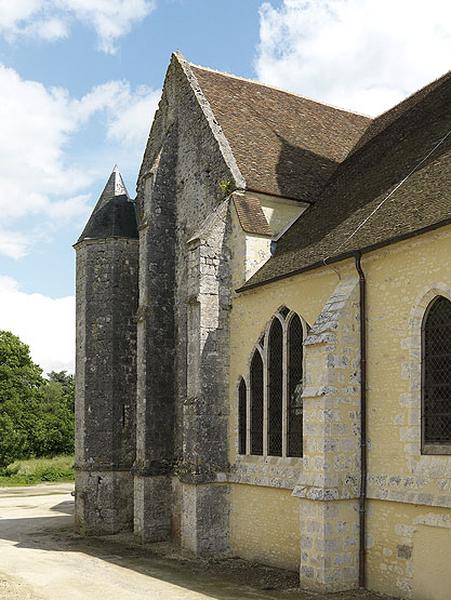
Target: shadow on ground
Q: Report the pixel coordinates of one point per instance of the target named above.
(228, 579)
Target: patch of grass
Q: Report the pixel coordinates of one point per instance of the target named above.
(38, 470)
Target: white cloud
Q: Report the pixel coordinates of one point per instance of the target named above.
(50, 19)
(13, 244)
(364, 55)
(129, 113)
(46, 324)
(133, 120)
(111, 19)
(47, 29)
(37, 125)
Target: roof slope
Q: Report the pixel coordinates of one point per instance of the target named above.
(114, 214)
(354, 212)
(284, 144)
(250, 214)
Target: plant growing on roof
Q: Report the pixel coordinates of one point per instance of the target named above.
(226, 186)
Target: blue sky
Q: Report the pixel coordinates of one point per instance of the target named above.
(200, 28)
(80, 81)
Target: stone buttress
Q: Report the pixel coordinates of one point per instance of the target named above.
(106, 303)
(184, 302)
(329, 487)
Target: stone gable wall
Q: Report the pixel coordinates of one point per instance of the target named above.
(183, 325)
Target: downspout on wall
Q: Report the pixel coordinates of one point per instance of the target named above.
(363, 421)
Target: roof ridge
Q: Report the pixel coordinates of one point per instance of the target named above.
(387, 118)
(410, 96)
(284, 91)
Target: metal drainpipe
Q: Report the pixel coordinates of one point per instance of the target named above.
(363, 422)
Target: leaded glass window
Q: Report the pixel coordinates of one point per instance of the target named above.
(295, 355)
(275, 388)
(256, 383)
(270, 409)
(436, 401)
(242, 418)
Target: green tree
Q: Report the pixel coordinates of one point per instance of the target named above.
(13, 440)
(54, 431)
(20, 383)
(64, 381)
(36, 414)
(20, 377)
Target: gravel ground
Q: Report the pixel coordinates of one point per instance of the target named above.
(14, 590)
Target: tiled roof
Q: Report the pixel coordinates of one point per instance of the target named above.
(284, 144)
(250, 214)
(360, 207)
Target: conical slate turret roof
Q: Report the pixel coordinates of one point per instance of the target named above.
(114, 214)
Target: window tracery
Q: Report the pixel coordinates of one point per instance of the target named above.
(275, 390)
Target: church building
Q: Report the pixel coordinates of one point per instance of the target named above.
(264, 337)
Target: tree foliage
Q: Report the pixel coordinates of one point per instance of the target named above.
(19, 375)
(36, 414)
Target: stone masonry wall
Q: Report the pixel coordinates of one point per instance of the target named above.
(156, 341)
(105, 383)
(329, 486)
(182, 407)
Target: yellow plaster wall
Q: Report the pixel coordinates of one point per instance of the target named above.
(251, 311)
(398, 277)
(431, 563)
(409, 513)
(279, 213)
(409, 549)
(401, 281)
(264, 524)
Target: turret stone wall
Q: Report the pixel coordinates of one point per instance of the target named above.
(105, 384)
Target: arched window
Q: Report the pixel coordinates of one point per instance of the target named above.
(271, 396)
(256, 383)
(436, 384)
(295, 355)
(242, 418)
(275, 389)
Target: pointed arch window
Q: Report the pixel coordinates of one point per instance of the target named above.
(274, 396)
(295, 384)
(242, 416)
(256, 389)
(436, 378)
(275, 388)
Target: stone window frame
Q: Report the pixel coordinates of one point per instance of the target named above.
(242, 381)
(413, 370)
(262, 347)
(429, 447)
(278, 376)
(258, 349)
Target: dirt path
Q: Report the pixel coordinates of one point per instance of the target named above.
(42, 559)
(15, 590)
